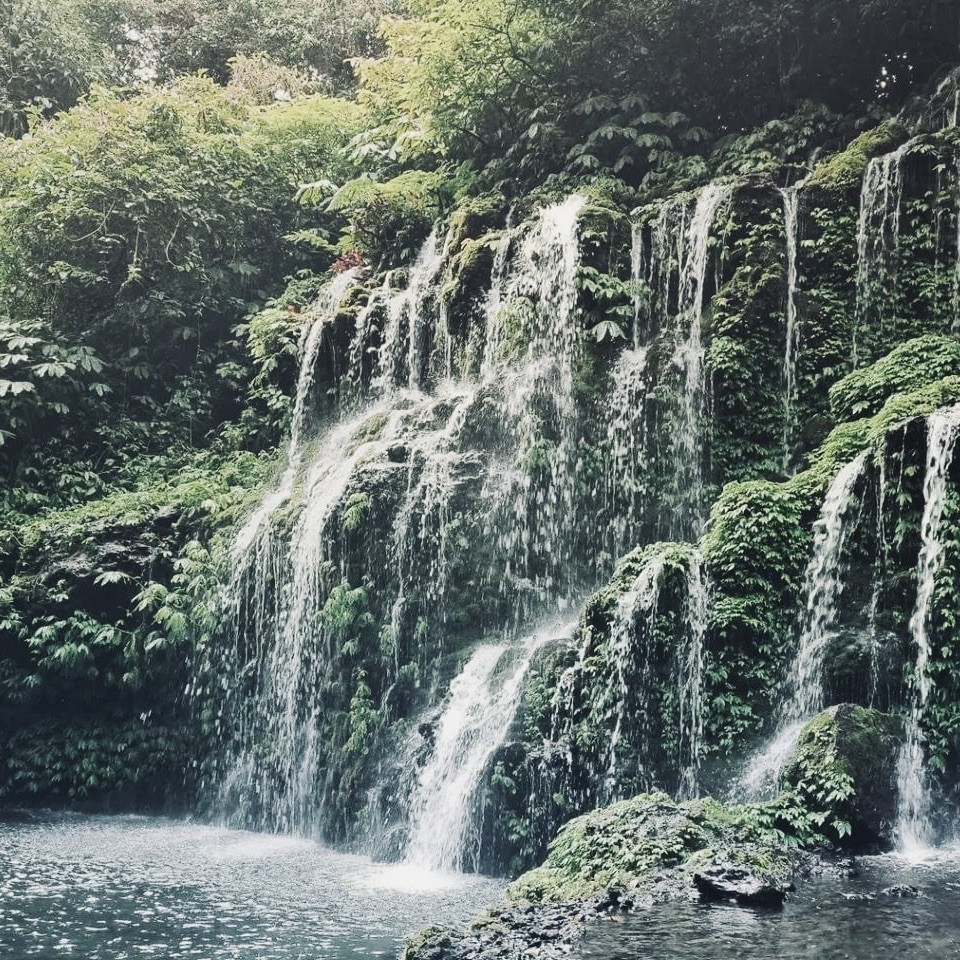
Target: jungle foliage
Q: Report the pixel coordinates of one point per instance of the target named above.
(179, 179)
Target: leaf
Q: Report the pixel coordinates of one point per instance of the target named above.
(15, 387)
(608, 328)
(112, 576)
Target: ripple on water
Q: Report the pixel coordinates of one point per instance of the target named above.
(827, 919)
(125, 887)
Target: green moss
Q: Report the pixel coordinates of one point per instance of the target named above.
(909, 367)
(844, 769)
(844, 170)
(429, 942)
(650, 844)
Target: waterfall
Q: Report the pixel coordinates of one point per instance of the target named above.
(404, 349)
(956, 266)
(689, 357)
(878, 233)
(823, 585)
(690, 679)
(913, 815)
(474, 482)
(494, 301)
(273, 599)
(625, 473)
(637, 701)
(791, 203)
(632, 631)
(475, 722)
(319, 317)
(671, 281)
(533, 512)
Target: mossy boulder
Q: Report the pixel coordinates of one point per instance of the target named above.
(845, 768)
(654, 848)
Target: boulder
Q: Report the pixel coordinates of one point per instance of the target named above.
(845, 766)
(726, 879)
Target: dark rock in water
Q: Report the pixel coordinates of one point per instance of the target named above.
(845, 766)
(904, 890)
(723, 880)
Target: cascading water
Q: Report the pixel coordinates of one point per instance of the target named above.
(690, 679)
(956, 265)
(823, 585)
(494, 301)
(914, 829)
(638, 700)
(319, 315)
(403, 351)
(474, 723)
(672, 287)
(473, 483)
(878, 233)
(689, 357)
(631, 635)
(791, 204)
(625, 474)
(534, 511)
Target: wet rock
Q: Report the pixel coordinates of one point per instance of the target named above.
(724, 880)
(904, 890)
(845, 766)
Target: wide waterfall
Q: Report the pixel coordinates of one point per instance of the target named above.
(473, 474)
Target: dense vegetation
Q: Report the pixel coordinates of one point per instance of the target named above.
(178, 181)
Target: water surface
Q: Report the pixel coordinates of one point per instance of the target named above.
(119, 888)
(826, 919)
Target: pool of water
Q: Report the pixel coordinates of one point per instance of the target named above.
(121, 888)
(827, 919)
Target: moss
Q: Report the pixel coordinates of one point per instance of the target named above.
(844, 769)
(468, 269)
(909, 367)
(844, 171)
(429, 943)
(649, 844)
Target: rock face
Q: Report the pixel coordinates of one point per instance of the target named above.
(845, 766)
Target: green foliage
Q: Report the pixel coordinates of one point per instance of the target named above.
(906, 368)
(346, 617)
(138, 762)
(522, 90)
(845, 756)
(48, 58)
(844, 170)
(387, 220)
(133, 234)
(650, 844)
(364, 718)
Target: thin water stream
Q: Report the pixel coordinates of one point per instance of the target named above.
(114, 888)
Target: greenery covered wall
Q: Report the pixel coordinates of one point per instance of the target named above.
(164, 241)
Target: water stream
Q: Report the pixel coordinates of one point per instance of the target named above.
(878, 233)
(914, 828)
(482, 701)
(823, 585)
(791, 205)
